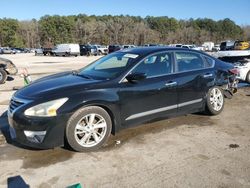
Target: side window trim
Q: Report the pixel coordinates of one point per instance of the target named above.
(202, 57)
(205, 56)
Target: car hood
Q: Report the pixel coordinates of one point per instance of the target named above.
(55, 84)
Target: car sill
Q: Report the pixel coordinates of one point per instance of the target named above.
(150, 112)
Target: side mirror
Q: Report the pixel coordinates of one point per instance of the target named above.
(135, 77)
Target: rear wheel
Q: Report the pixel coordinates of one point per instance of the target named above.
(248, 77)
(88, 129)
(215, 101)
(3, 76)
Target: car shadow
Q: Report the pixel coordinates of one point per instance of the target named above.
(10, 78)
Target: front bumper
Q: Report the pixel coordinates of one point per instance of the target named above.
(38, 132)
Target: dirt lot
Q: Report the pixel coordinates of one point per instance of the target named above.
(189, 151)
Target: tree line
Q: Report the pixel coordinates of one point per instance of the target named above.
(107, 29)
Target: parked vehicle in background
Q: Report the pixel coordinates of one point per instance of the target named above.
(88, 50)
(227, 45)
(21, 50)
(28, 50)
(39, 51)
(16, 50)
(216, 48)
(150, 45)
(6, 68)
(114, 48)
(208, 46)
(32, 50)
(7, 50)
(1, 50)
(243, 67)
(101, 50)
(66, 50)
(176, 45)
(120, 90)
(241, 45)
(241, 60)
(47, 51)
(190, 46)
(128, 46)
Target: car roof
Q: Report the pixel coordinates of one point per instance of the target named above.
(143, 51)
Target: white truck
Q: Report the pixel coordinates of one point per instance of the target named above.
(208, 46)
(66, 50)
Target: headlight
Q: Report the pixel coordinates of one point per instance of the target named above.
(47, 109)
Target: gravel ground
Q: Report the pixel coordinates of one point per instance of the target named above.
(188, 151)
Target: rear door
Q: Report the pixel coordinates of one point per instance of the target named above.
(194, 75)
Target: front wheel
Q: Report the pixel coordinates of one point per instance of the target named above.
(215, 101)
(88, 129)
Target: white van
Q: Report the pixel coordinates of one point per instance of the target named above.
(66, 50)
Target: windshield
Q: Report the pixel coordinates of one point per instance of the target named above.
(109, 66)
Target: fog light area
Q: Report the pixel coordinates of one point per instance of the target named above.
(35, 136)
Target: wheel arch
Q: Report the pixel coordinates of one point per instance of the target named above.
(112, 116)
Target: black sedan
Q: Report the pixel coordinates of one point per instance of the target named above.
(120, 90)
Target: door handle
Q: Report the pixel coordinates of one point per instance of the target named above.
(170, 84)
(208, 75)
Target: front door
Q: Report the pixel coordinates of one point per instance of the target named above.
(152, 97)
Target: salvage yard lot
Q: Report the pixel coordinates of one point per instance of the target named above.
(189, 151)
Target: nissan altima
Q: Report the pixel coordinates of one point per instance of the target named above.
(120, 90)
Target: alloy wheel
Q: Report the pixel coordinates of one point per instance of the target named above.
(216, 99)
(90, 130)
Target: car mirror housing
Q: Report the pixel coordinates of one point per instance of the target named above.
(135, 77)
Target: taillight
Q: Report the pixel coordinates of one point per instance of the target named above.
(234, 71)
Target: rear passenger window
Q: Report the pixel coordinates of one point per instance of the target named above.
(209, 62)
(187, 61)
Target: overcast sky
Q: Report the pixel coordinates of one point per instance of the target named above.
(237, 10)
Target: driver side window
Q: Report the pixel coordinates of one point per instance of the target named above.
(155, 65)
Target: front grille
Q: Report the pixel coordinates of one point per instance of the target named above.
(14, 104)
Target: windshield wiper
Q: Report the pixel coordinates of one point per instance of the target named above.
(76, 73)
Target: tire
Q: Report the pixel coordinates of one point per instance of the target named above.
(3, 76)
(248, 77)
(80, 132)
(215, 101)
